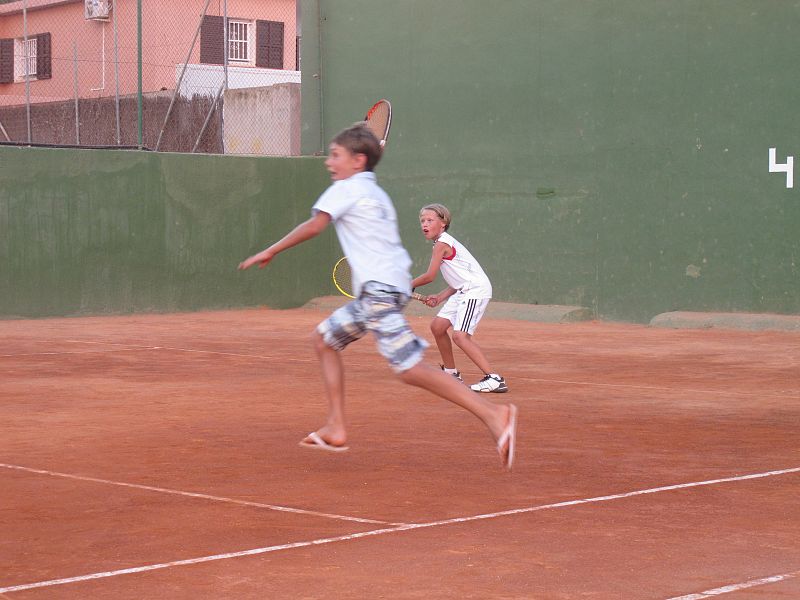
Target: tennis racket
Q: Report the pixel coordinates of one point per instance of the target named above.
(379, 119)
(343, 280)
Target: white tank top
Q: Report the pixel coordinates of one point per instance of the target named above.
(462, 271)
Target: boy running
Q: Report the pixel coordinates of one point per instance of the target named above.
(366, 225)
(467, 296)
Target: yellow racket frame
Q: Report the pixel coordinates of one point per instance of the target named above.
(342, 279)
(341, 272)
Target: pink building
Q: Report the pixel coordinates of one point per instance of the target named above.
(88, 48)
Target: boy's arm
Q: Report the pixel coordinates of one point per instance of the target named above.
(440, 250)
(303, 232)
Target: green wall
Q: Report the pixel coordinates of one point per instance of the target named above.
(611, 154)
(93, 232)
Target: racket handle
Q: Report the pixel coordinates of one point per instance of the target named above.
(419, 297)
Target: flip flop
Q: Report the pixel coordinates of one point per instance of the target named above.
(509, 436)
(314, 440)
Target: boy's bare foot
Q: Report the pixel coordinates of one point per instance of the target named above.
(335, 435)
(315, 440)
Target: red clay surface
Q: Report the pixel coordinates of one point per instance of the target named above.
(108, 425)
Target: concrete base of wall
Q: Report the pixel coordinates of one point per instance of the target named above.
(570, 314)
(496, 310)
(749, 321)
(542, 313)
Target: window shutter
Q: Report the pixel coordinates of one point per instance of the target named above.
(7, 61)
(44, 61)
(269, 44)
(212, 40)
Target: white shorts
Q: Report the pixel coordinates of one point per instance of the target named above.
(463, 312)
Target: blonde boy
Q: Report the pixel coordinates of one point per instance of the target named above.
(466, 297)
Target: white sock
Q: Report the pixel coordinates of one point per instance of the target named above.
(450, 371)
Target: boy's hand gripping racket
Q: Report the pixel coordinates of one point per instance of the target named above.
(379, 119)
(343, 280)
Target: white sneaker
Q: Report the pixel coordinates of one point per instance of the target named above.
(491, 383)
(457, 374)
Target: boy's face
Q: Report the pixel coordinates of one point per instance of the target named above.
(341, 163)
(432, 225)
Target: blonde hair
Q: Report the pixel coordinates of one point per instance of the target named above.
(441, 211)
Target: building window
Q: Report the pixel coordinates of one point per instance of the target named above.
(239, 41)
(21, 58)
(258, 43)
(24, 58)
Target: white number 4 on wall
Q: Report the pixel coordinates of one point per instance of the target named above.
(787, 167)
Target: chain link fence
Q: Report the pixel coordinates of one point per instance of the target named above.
(214, 76)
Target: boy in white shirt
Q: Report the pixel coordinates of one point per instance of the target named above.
(366, 225)
(468, 294)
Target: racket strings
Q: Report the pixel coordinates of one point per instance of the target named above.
(343, 277)
(343, 280)
(379, 119)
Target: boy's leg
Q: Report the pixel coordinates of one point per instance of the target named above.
(465, 341)
(470, 312)
(334, 431)
(496, 417)
(439, 328)
(404, 351)
(334, 334)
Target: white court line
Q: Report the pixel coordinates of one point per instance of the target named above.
(737, 586)
(202, 559)
(375, 532)
(151, 488)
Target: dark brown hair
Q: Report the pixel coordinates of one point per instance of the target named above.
(359, 139)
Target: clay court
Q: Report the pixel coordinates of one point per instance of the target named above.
(157, 456)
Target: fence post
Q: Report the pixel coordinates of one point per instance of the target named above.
(27, 59)
(225, 56)
(313, 138)
(227, 42)
(116, 72)
(75, 86)
(139, 61)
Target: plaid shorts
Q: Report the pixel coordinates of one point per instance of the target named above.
(379, 309)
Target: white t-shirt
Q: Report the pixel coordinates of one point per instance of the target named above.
(366, 224)
(462, 272)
